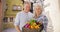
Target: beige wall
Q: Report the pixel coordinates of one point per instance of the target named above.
(59, 4)
(54, 14)
(10, 3)
(9, 12)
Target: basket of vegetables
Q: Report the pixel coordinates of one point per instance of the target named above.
(32, 26)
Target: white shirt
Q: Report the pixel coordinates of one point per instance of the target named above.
(22, 18)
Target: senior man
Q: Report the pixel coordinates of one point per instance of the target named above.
(22, 17)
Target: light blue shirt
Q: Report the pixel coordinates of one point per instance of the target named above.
(22, 18)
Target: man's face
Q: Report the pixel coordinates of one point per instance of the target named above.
(27, 7)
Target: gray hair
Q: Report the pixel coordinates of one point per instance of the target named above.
(26, 2)
(36, 5)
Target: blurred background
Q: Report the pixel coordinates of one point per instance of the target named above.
(9, 9)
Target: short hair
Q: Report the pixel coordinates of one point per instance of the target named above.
(26, 2)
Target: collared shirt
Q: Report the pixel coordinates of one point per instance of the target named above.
(22, 18)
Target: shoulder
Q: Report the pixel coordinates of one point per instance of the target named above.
(43, 16)
(31, 14)
(19, 13)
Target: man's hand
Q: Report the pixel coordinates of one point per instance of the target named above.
(17, 28)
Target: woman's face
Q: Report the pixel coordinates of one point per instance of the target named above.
(38, 10)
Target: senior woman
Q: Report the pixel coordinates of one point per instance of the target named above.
(39, 16)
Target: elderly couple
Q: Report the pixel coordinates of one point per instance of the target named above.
(25, 15)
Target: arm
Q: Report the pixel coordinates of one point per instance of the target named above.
(17, 23)
(17, 28)
(45, 23)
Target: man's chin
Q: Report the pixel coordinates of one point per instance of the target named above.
(27, 12)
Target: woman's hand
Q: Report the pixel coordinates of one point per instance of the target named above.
(40, 22)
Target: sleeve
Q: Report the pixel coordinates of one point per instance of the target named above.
(45, 22)
(17, 21)
(45, 19)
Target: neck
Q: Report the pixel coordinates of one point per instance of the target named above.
(25, 11)
(37, 15)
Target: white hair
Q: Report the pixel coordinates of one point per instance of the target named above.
(37, 4)
(26, 2)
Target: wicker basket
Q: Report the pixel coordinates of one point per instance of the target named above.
(32, 30)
